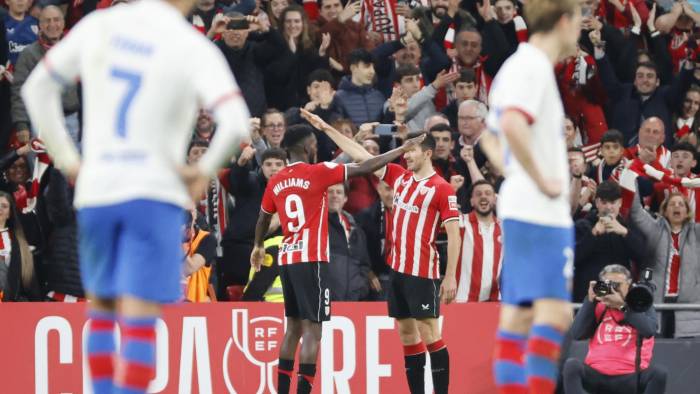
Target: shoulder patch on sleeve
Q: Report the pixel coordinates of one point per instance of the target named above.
(452, 201)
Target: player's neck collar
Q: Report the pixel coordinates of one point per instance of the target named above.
(415, 176)
(294, 163)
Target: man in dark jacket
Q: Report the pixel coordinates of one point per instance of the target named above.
(357, 99)
(247, 188)
(602, 238)
(348, 274)
(630, 104)
(51, 26)
(246, 59)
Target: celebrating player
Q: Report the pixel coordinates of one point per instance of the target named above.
(142, 96)
(422, 200)
(528, 117)
(298, 194)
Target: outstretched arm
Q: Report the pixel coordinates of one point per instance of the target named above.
(377, 162)
(347, 145)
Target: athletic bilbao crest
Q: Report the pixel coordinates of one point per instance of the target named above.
(252, 351)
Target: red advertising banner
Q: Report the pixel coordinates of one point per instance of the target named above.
(232, 348)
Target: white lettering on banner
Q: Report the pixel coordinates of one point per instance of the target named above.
(333, 381)
(374, 369)
(41, 349)
(263, 344)
(194, 335)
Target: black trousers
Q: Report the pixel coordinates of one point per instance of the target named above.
(581, 379)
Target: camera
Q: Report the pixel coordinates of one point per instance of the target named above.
(605, 287)
(641, 294)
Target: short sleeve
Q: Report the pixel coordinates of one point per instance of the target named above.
(213, 80)
(392, 172)
(330, 173)
(62, 61)
(447, 202)
(522, 91)
(268, 203)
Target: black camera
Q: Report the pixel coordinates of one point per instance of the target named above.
(605, 287)
(641, 294)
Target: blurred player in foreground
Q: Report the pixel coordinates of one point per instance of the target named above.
(528, 118)
(141, 96)
(298, 194)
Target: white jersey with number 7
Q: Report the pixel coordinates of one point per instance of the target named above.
(145, 72)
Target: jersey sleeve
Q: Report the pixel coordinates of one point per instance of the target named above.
(447, 203)
(522, 91)
(330, 173)
(62, 61)
(392, 172)
(268, 203)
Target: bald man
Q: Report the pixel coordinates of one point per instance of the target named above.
(651, 138)
(51, 26)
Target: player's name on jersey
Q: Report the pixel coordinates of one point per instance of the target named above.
(291, 182)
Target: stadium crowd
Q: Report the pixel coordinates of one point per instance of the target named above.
(376, 71)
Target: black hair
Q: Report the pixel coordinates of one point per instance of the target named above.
(467, 75)
(295, 135)
(274, 153)
(360, 55)
(479, 183)
(649, 65)
(428, 142)
(684, 146)
(321, 75)
(442, 127)
(608, 191)
(613, 135)
(197, 143)
(405, 70)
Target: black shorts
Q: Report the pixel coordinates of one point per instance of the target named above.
(306, 295)
(413, 297)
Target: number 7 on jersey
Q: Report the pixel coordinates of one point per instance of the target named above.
(133, 81)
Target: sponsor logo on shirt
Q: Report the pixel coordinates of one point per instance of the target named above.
(404, 206)
(295, 247)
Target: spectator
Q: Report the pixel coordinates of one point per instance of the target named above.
(274, 127)
(465, 89)
(682, 162)
(51, 26)
(603, 237)
(686, 118)
(651, 136)
(479, 267)
(672, 253)
(614, 333)
(20, 28)
(512, 24)
(200, 254)
(443, 161)
(247, 59)
(612, 150)
(434, 120)
(345, 34)
(22, 282)
(420, 101)
(644, 99)
(470, 124)
(247, 188)
(582, 187)
(274, 10)
(205, 127)
(204, 15)
(357, 99)
(296, 56)
(59, 260)
(348, 275)
(572, 133)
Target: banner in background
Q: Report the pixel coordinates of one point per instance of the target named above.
(233, 348)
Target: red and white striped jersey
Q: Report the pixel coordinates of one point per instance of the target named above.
(298, 194)
(480, 258)
(419, 206)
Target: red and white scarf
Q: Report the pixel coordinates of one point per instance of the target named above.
(683, 127)
(380, 16)
(26, 198)
(520, 29)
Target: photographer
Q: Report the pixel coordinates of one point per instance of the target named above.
(613, 329)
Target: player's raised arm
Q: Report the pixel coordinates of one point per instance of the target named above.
(516, 128)
(377, 162)
(347, 145)
(42, 96)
